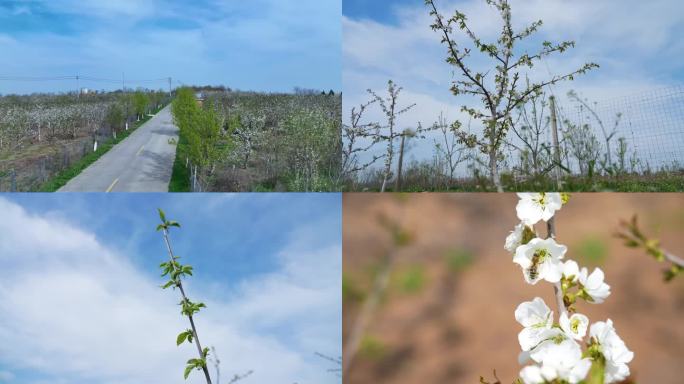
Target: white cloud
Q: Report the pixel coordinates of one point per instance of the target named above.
(75, 309)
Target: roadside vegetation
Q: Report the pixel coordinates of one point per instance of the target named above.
(246, 141)
(47, 139)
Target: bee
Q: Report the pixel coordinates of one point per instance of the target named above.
(537, 258)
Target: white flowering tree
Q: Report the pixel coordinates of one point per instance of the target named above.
(568, 350)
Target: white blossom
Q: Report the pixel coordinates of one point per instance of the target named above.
(514, 240)
(537, 318)
(540, 259)
(574, 326)
(549, 339)
(613, 350)
(571, 270)
(534, 207)
(561, 360)
(594, 285)
(532, 374)
(565, 359)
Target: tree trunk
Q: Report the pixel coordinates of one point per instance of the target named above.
(556, 147)
(384, 183)
(493, 171)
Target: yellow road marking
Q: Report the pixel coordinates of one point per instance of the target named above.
(140, 150)
(112, 186)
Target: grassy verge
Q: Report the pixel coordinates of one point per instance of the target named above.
(660, 182)
(63, 177)
(180, 176)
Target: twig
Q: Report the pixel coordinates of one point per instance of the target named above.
(558, 292)
(179, 284)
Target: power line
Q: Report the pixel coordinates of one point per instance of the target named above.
(78, 77)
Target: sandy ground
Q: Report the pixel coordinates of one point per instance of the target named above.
(459, 325)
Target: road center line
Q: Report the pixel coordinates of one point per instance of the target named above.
(140, 150)
(112, 186)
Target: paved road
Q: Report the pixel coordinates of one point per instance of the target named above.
(140, 163)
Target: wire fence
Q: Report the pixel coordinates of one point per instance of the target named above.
(639, 133)
(645, 131)
(651, 124)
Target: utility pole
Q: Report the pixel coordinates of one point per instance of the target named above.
(123, 82)
(78, 87)
(556, 148)
(406, 134)
(397, 185)
(169, 86)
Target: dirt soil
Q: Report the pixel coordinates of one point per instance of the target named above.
(448, 326)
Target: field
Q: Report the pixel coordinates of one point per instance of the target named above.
(421, 178)
(447, 312)
(237, 141)
(43, 135)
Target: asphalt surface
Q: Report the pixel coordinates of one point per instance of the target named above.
(140, 163)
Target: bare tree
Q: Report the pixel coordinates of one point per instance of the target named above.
(583, 145)
(351, 148)
(388, 133)
(448, 148)
(531, 128)
(608, 133)
(238, 377)
(335, 360)
(503, 94)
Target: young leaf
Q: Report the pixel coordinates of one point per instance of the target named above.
(162, 216)
(188, 369)
(182, 337)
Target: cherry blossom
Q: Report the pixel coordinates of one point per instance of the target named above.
(574, 326)
(537, 318)
(565, 361)
(540, 259)
(571, 270)
(593, 287)
(534, 207)
(613, 349)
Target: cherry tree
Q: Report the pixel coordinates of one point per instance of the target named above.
(501, 94)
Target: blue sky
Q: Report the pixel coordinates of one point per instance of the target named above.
(268, 267)
(265, 45)
(378, 10)
(388, 39)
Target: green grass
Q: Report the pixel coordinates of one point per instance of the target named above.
(63, 177)
(180, 175)
(657, 182)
